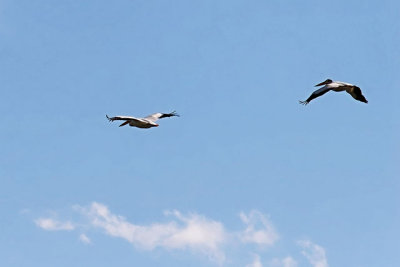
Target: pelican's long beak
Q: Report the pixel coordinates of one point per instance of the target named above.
(323, 83)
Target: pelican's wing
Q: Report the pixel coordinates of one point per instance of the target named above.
(126, 119)
(156, 116)
(356, 93)
(316, 94)
(122, 118)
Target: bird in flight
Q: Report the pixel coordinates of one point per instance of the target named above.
(336, 86)
(146, 122)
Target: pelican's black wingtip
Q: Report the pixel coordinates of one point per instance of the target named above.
(174, 114)
(171, 114)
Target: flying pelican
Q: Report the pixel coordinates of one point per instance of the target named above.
(353, 90)
(146, 122)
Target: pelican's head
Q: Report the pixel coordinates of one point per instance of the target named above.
(327, 81)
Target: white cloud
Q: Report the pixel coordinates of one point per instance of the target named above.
(256, 262)
(285, 262)
(53, 225)
(314, 253)
(193, 231)
(289, 262)
(258, 230)
(85, 239)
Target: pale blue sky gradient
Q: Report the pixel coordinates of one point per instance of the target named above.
(234, 70)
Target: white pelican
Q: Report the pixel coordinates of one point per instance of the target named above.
(353, 90)
(146, 122)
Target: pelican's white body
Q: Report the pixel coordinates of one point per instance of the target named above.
(337, 87)
(142, 123)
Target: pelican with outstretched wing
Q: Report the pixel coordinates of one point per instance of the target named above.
(146, 122)
(336, 86)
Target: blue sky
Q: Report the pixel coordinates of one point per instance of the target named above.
(245, 177)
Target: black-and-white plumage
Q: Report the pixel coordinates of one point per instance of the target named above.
(336, 86)
(146, 122)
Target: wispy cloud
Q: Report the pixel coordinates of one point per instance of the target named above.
(314, 253)
(54, 225)
(285, 262)
(85, 239)
(289, 262)
(256, 262)
(259, 229)
(192, 231)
